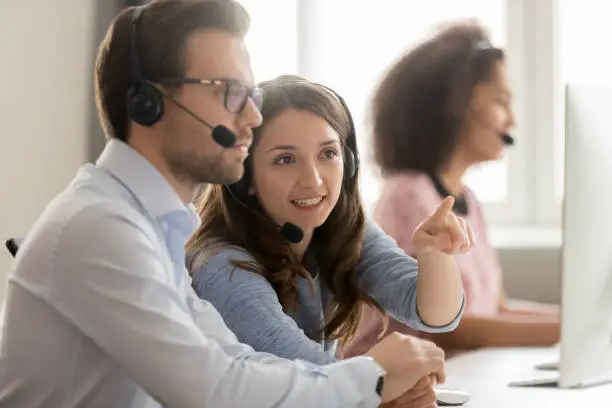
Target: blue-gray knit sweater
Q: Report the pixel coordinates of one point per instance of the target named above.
(251, 309)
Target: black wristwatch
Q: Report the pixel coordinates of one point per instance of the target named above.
(379, 385)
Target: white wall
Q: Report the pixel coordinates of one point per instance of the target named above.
(45, 105)
(532, 273)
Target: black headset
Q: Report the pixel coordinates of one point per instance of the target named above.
(144, 102)
(351, 154)
(240, 189)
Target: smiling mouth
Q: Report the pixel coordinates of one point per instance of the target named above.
(308, 202)
(242, 147)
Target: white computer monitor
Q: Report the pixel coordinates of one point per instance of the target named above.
(586, 254)
(585, 349)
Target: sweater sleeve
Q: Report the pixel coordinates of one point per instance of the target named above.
(389, 276)
(251, 309)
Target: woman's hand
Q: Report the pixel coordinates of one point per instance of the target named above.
(443, 231)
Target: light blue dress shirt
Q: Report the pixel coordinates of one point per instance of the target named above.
(100, 311)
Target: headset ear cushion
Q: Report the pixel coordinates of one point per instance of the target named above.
(240, 189)
(144, 103)
(349, 164)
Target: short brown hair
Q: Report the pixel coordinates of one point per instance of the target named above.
(420, 106)
(163, 31)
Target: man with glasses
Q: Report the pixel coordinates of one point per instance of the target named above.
(100, 311)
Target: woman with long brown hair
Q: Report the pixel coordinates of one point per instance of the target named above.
(296, 299)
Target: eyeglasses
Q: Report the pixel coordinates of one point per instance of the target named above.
(236, 95)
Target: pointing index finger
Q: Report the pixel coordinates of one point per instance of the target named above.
(441, 214)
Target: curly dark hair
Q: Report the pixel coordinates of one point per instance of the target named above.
(420, 106)
(337, 242)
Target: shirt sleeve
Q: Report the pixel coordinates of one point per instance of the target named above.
(109, 279)
(250, 307)
(389, 276)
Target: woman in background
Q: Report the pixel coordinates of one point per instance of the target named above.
(296, 299)
(442, 109)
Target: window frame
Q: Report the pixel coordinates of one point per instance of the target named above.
(535, 70)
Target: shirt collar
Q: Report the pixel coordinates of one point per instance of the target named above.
(146, 183)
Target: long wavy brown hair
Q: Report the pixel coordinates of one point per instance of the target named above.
(337, 243)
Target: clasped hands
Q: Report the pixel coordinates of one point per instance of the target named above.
(422, 395)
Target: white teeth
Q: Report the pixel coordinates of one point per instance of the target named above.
(308, 202)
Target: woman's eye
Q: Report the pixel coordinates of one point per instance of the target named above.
(283, 160)
(330, 154)
(504, 102)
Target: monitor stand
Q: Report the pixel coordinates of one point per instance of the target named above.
(549, 366)
(551, 382)
(540, 382)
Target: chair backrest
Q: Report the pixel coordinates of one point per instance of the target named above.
(12, 244)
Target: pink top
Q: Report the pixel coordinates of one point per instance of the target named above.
(408, 199)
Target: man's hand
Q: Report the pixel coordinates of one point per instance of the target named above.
(443, 231)
(407, 359)
(421, 396)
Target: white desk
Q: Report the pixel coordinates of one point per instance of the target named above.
(485, 374)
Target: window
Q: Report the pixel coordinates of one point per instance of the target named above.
(272, 38)
(585, 57)
(348, 45)
(584, 33)
(351, 44)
